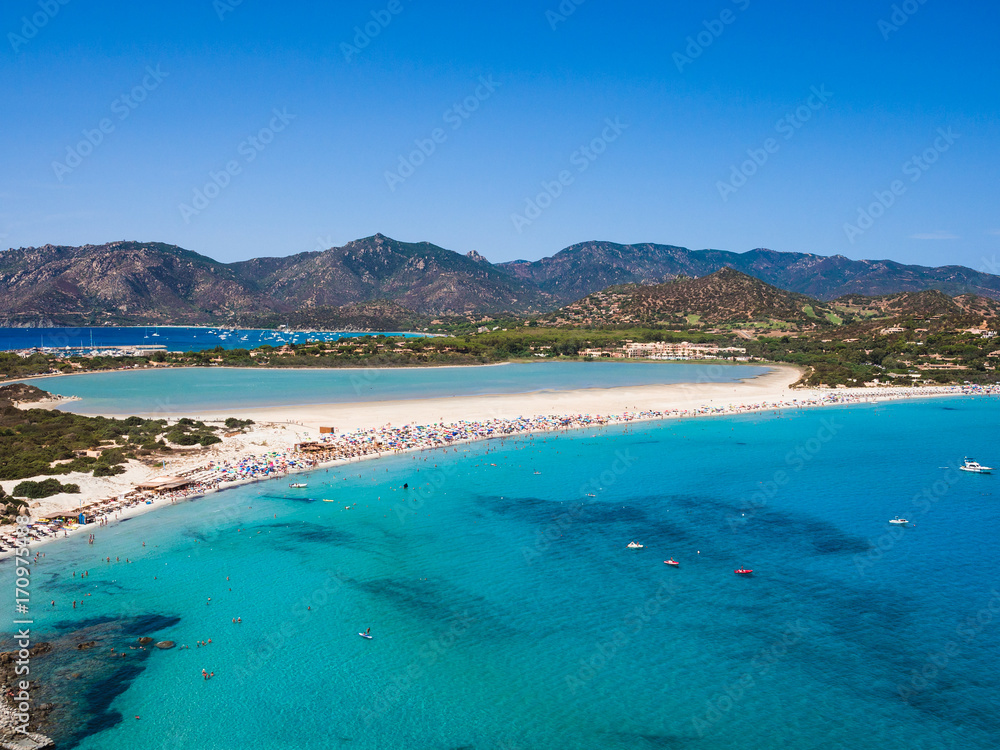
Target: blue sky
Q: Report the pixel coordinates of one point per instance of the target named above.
(731, 124)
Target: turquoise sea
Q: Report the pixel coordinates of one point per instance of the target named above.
(199, 389)
(172, 338)
(507, 612)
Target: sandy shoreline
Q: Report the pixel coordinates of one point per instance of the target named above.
(278, 429)
(366, 414)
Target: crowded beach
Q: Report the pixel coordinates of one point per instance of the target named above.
(228, 466)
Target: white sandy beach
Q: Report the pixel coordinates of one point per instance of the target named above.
(278, 429)
(679, 396)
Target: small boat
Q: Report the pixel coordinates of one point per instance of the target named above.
(671, 561)
(366, 635)
(972, 465)
(298, 485)
(897, 521)
(743, 571)
(634, 545)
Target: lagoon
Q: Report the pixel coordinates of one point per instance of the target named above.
(187, 390)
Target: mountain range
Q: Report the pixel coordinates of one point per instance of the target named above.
(140, 283)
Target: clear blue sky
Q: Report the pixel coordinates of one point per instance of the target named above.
(664, 174)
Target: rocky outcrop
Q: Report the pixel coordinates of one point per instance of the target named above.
(11, 738)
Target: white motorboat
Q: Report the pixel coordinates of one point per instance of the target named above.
(897, 521)
(634, 545)
(298, 485)
(975, 467)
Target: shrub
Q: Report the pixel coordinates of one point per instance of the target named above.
(182, 438)
(45, 488)
(113, 456)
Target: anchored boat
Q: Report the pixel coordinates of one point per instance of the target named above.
(973, 466)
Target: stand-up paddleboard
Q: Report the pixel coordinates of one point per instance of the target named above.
(365, 635)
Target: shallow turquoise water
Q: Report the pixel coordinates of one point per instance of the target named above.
(508, 613)
(198, 389)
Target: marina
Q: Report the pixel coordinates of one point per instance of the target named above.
(127, 340)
